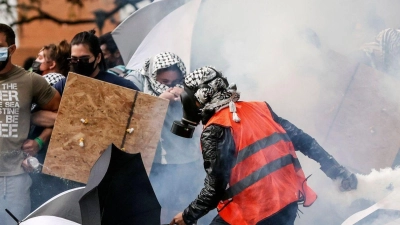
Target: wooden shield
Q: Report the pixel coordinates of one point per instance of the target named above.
(92, 115)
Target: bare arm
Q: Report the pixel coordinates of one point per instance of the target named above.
(47, 116)
(44, 118)
(53, 104)
(31, 147)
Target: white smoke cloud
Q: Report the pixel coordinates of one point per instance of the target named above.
(268, 48)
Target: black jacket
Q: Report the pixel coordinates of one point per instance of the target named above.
(218, 153)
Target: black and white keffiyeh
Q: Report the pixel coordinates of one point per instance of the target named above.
(53, 78)
(384, 52)
(161, 61)
(212, 91)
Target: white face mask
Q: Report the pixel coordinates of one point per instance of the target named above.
(4, 53)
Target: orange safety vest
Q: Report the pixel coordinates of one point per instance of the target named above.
(267, 175)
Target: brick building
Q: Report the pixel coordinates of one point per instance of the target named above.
(32, 36)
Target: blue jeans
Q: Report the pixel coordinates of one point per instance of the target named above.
(14, 196)
(285, 216)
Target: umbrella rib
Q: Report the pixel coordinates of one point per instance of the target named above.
(129, 119)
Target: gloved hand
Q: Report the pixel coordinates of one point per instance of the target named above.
(349, 183)
(335, 171)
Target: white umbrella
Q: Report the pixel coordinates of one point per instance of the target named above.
(48, 220)
(172, 32)
(131, 32)
(64, 206)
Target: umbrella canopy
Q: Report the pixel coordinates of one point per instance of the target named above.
(48, 220)
(136, 27)
(119, 192)
(157, 35)
(64, 205)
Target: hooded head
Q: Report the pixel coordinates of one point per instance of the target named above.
(206, 92)
(211, 89)
(163, 71)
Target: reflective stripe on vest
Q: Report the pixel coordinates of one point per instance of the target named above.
(259, 174)
(259, 145)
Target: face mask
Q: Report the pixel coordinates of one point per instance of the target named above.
(4, 57)
(83, 68)
(36, 67)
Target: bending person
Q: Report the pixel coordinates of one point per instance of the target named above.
(253, 173)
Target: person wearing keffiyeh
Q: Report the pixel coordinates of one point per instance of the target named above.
(177, 160)
(253, 173)
(383, 53)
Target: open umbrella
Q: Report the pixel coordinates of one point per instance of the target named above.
(119, 192)
(149, 31)
(48, 220)
(61, 209)
(136, 27)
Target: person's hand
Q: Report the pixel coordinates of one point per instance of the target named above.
(170, 94)
(178, 220)
(177, 91)
(28, 168)
(349, 183)
(30, 147)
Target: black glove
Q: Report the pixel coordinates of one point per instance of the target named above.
(349, 183)
(335, 171)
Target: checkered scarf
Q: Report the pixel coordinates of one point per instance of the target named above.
(53, 78)
(212, 92)
(161, 61)
(385, 50)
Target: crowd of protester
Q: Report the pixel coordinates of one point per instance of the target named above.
(36, 90)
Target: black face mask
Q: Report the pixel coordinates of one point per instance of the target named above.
(83, 68)
(36, 67)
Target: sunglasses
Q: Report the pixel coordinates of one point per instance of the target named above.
(84, 59)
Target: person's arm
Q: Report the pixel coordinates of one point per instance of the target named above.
(218, 152)
(32, 147)
(48, 99)
(310, 147)
(47, 116)
(53, 104)
(43, 118)
(44, 95)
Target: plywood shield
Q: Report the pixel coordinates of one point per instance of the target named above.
(92, 115)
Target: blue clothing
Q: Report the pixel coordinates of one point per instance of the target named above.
(103, 76)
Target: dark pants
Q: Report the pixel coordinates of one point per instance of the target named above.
(285, 216)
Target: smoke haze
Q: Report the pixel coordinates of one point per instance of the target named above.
(295, 55)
